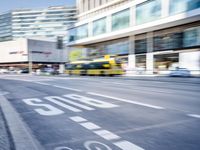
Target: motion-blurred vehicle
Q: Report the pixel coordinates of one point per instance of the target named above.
(49, 71)
(180, 72)
(3, 71)
(25, 70)
(106, 66)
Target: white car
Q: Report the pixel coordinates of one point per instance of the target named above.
(3, 71)
(180, 72)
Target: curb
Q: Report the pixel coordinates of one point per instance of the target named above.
(20, 133)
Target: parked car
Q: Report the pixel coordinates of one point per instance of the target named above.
(49, 71)
(3, 71)
(25, 70)
(180, 72)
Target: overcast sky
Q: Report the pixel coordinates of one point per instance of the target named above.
(6, 5)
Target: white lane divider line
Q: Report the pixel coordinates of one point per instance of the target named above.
(126, 145)
(78, 119)
(67, 88)
(90, 126)
(42, 83)
(107, 135)
(194, 115)
(127, 101)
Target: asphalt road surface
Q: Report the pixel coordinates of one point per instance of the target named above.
(96, 113)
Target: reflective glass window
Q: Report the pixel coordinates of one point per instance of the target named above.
(120, 47)
(82, 32)
(168, 41)
(121, 20)
(191, 37)
(140, 46)
(99, 26)
(148, 11)
(72, 35)
(179, 6)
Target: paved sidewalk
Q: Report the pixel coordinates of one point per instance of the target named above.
(21, 135)
(5, 138)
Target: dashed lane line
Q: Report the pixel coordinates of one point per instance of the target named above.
(42, 83)
(127, 101)
(194, 115)
(67, 88)
(107, 135)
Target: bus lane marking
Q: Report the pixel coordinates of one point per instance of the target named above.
(72, 102)
(107, 135)
(127, 101)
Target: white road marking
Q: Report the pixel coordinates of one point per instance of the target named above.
(67, 88)
(42, 83)
(90, 126)
(91, 101)
(127, 101)
(89, 145)
(78, 119)
(107, 135)
(194, 115)
(62, 104)
(125, 145)
(70, 102)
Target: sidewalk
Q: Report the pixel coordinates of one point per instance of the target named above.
(14, 134)
(6, 142)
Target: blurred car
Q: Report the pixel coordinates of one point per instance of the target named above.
(25, 70)
(3, 71)
(180, 72)
(49, 71)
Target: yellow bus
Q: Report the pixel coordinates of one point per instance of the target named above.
(107, 66)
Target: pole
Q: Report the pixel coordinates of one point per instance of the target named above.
(30, 63)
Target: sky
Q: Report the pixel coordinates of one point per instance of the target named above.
(6, 5)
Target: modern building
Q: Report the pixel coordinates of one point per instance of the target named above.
(149, 35)
(42, 23)
(30, 53)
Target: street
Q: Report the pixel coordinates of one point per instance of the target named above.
(105, 113)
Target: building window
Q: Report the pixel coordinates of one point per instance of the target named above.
(140, 62)
(148, 11)
(117, 47)
(168, 41)
(140, 46)
(179, 6)
(121, 20)
(82, 32)
(99, 26)
(78, 33)
(72, 35)
(191, 37)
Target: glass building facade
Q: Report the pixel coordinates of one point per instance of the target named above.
(121, 20)
(43, 23)
(148, 11)
(179, 6)
(99, 26)
(5, 27)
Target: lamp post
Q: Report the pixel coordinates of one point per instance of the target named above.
(60, 48)
(30, 63)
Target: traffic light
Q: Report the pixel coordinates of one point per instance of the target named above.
(59, 42)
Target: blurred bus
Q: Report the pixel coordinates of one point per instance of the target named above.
(106, 66)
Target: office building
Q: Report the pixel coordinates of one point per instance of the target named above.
(150, 36)
(41, 23)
